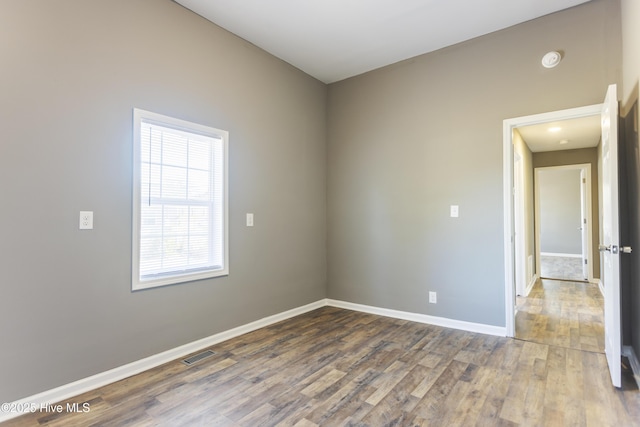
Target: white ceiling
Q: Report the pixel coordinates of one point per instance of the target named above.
(335, 39)
(580, 133)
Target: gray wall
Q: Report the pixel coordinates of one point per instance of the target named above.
(402, 144)
(407, 141)
(560, 213)
(577, 157)
(631, 73)
(72, 71)
(629, 170)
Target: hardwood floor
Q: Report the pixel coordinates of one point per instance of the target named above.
(334, 367)
(561, 313)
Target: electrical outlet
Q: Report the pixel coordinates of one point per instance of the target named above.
(249, 220)
(433, 298)
(86, 220)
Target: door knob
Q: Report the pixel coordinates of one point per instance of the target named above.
(611, 248)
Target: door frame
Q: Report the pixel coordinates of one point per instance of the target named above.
(586, 217)
(508, 194)
(583, 168)
(521, 276)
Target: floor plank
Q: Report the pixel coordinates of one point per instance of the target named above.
(335, 367)
(562, 313)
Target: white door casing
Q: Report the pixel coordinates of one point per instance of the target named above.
(584, 224)
(520, 252)
(585, 170)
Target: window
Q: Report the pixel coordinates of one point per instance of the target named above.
(179, 201)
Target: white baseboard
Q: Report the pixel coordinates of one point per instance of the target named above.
(422, 318)
(93, 382)
(532, 282)
(102, 379)
(561, 255)
(600, 286)
(635, 363)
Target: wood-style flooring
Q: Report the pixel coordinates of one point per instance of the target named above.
(335, 367)
(562, 313)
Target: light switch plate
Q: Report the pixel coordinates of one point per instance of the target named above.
(249, 220)
(454, 211)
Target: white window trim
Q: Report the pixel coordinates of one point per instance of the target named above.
(147, 116)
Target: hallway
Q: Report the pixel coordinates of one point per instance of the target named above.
(562, 313)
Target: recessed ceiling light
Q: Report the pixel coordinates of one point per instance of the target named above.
(555, 129)
(551, 59)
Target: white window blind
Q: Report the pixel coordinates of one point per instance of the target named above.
(181, 230)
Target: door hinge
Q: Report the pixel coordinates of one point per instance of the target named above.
(585, 261)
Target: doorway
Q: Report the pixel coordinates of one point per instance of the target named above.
(563, 222)
(553, 165)
(609, 237)
(520, 245)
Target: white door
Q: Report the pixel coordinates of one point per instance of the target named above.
(583, 224)
(610, 244)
